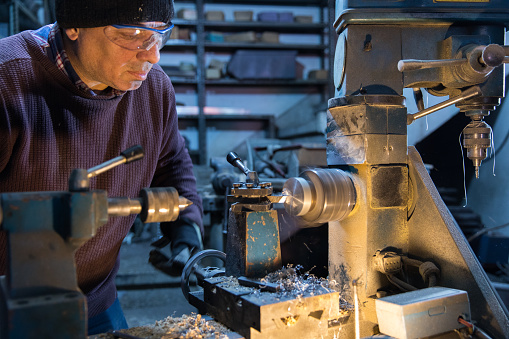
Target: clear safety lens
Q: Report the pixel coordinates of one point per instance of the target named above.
(138, 37)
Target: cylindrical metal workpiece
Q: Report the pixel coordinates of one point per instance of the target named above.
(320, 195)
(160, 204)
(122, 207)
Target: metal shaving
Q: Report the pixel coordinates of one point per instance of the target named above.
(292, 284)
(187, 326)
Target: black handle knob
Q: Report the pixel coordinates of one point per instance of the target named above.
(493, 55)
(133, 153)
(235, 160)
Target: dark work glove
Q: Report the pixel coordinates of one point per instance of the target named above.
(184, 236)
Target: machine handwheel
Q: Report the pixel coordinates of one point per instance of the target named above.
(189, 267)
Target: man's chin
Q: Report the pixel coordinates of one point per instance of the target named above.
(132, 85)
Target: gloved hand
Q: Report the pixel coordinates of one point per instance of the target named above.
(185, 239)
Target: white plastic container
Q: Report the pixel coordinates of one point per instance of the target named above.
(422, 313)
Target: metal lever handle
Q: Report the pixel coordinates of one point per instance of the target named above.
(235, 160)
(252, 176)
(492, 55)
(413, 65)
(79, 179)
(466, 94)
(129, 155)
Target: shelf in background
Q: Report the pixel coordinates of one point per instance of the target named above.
(182, 81)
(266, 82)
(172, 45)
(184, 22)
(293, 3)
(261, 26)
(257, 45)
(232, 122)
(259, 82)
(311, 38)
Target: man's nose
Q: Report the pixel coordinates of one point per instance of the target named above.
(152, 55)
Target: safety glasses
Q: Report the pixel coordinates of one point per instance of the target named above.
(136, 38)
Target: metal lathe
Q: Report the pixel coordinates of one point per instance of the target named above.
(403, 265)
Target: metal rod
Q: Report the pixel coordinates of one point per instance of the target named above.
(412, 65)
(105, 166)
(123, 207)
(468, 93)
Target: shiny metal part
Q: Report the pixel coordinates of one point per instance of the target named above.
(320, 195)
(156, 204)
(479, 58)
(413, 65)
(160, 204)
(468, 93)
(122, 207)
(131, 154)
(184, 203)
(79, 179)
(476, 140)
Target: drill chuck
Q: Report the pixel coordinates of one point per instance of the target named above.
(476, 139)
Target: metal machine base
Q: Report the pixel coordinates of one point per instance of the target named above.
(256, 314)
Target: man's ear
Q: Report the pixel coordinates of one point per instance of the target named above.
(72, 33)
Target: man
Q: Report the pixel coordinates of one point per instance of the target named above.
(75, 94)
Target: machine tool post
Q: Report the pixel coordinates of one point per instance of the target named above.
(252, 244)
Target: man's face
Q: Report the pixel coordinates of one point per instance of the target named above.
(100, 63)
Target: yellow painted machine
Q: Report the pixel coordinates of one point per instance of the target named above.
(404, 266)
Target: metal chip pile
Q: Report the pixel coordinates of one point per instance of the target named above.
(295, 284)
(187, 326)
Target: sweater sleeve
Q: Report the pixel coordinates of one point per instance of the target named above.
(175, 168)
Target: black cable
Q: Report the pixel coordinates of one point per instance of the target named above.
(400, 283)
(485, 230)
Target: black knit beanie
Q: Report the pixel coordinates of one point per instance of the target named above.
(97, 13)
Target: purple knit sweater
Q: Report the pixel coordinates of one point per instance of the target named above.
(48, 127)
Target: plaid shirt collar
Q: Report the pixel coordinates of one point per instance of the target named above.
(50, 39)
